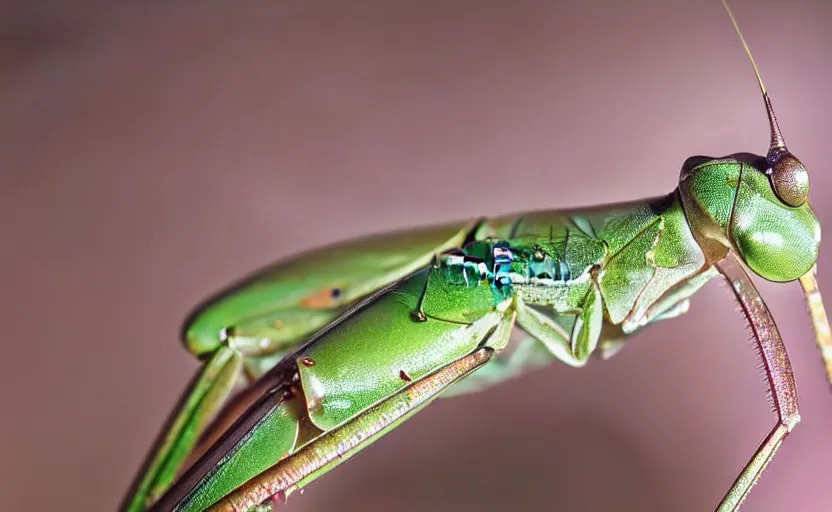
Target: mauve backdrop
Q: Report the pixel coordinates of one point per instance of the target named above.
(150, 154)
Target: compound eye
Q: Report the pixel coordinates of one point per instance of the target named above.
(790, 180)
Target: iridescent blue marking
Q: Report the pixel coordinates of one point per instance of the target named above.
(543, 269)
(502, 265)
(564, 273)
(543, 266)
(468, 270)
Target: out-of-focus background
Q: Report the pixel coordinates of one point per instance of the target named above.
(151, 154)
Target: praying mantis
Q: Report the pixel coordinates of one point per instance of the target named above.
(347, 342)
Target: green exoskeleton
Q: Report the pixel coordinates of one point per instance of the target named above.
(345, 343)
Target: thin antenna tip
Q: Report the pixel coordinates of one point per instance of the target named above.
(778, 144)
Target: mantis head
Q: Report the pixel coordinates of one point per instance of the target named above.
(773, 228)
(756, 206)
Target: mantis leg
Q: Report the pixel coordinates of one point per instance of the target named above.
(338, 445)
(611, 345)
(392, 360)
(198, 406)
(575, 347)
(823, 336)
(232, 411)
(551, 336)
(548, 340)
(778, 371)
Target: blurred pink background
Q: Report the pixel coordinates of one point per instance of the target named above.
(151, 154)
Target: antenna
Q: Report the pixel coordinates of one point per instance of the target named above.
(778, 144)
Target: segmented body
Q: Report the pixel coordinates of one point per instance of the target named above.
(571, 279)
(635, 253)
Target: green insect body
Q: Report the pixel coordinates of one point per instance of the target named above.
(346, 342)
(575, 280)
